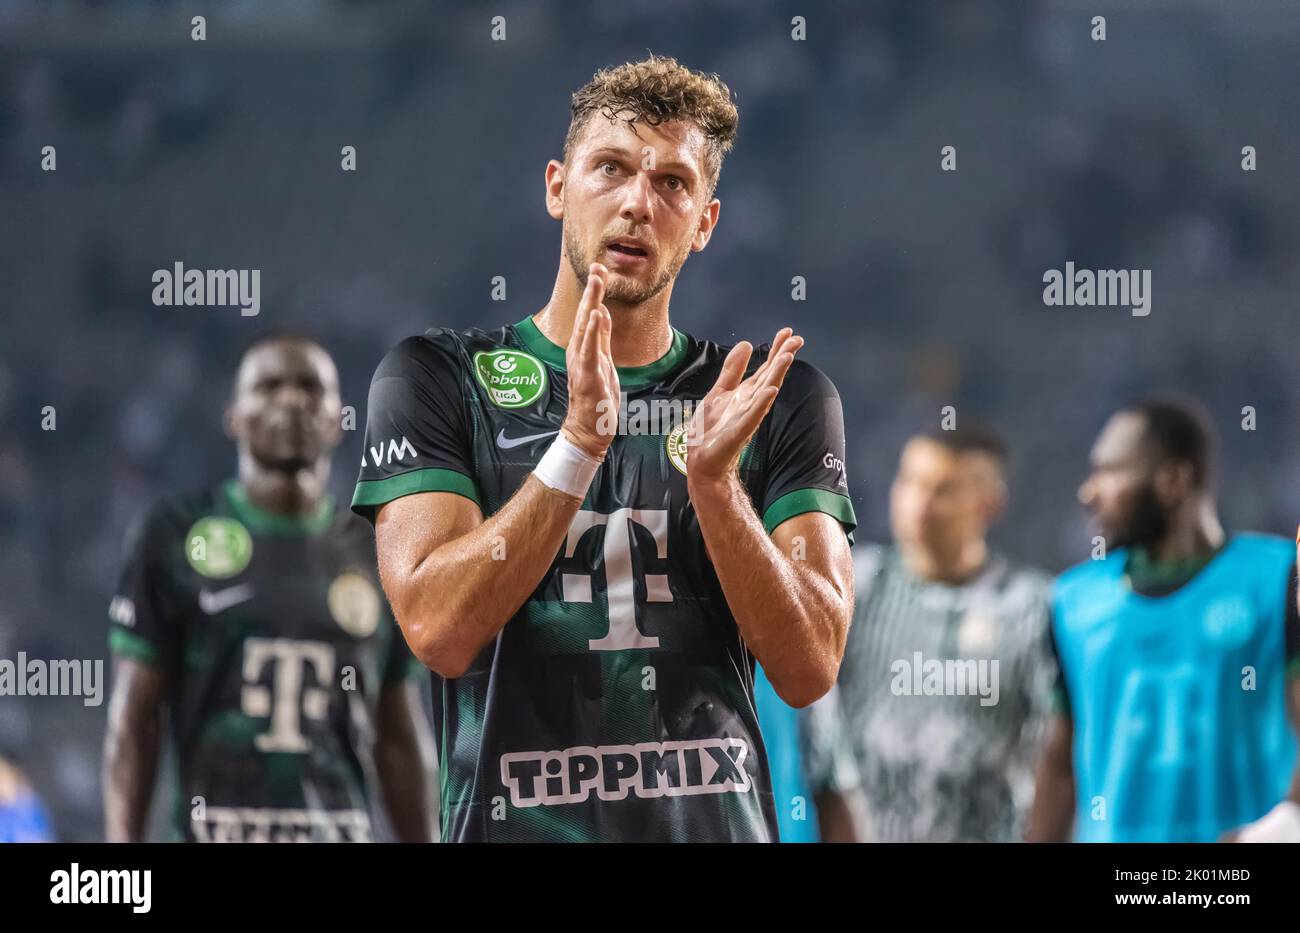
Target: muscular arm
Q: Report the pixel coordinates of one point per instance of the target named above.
(1052, 814)
(791, 593)
(402, 756)
(454, 579)
(131, 747)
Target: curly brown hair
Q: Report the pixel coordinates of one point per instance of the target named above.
(656, 90)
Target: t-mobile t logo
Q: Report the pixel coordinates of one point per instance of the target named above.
(620, 585)
(287, 699)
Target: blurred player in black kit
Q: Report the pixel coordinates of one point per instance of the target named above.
(252, 612)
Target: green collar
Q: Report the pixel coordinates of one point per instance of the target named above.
(628, 376)
(1147, 575)
(260, 520)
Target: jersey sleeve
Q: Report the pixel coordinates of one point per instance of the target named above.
(805, 471)
(142, 615)
(418, 437)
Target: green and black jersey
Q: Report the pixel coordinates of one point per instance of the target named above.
(617, 704)
(276, 640)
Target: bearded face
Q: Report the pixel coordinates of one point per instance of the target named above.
(635, 198)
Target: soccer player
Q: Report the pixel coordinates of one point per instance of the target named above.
(1174, 645)
(946, 679)
(592, 602)
(252, 612)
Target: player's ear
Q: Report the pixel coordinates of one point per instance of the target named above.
(708, 220)
(555, 189)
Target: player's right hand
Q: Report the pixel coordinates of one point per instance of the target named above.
(592, 419)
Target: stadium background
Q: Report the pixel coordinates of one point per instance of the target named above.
(923, 287)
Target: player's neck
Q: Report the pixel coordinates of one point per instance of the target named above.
(284, 492)
(955, 567)
(1194, 531)
(642, 333)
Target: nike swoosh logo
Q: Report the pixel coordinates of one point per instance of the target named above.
(221, 600)
(505, 443)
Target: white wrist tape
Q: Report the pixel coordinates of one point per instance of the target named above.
(567, 468)
(1281, 824)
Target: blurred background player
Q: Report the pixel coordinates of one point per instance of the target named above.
(1174, 644)
(22, 815)
(253, 613)
(814, 775)
(949, 762)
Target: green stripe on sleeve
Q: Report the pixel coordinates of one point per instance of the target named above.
(130, 645)
(432, 479)
(834, 504)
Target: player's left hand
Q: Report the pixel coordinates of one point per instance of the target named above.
(731, 412)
